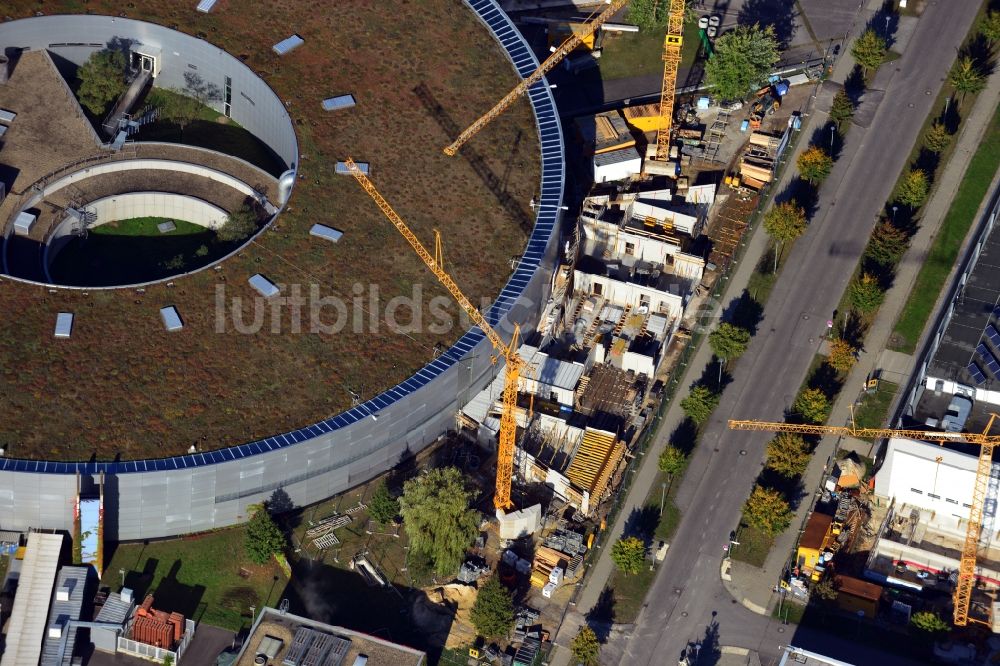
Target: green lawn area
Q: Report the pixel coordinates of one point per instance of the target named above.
(753, 547)
(874, 407)
(933, 275)
(205, 577)
(630, 593)
(146, 226)
(789, 611)
(638, 54)
(211, 130)
(130, 251)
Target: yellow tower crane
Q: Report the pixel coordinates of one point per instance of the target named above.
(513, 363)
(671, 61)
(985, 441)
(563, 50)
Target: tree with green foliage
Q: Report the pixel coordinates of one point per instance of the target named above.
(866, 294)
(176, 107)
(842, 355)
(912, 191)
(767, 511)
(869, 51)
(842, 111)
(887, 244)
(825, 590)
(966, 77)
(102, 80)
(585, 647)
(239, 225)
(699, 403)
(814, 164)
(437, 517)
(788, 454)
(492, 614)
(812, 405)
(728, 342)
(649, 15)
(383, 507)
(182, 106)
(989, 27)
(937, 137)
(928, 622)
(784, 222)
(672, 461)
(743, 60)
(629, 554)
(263, 537)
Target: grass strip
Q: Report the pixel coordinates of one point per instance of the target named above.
(933, 275)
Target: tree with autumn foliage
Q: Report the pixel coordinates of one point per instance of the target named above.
(814, 164)
(788, 454)
(767, 510)
(842, 355)
(887, 244)
(812, 405)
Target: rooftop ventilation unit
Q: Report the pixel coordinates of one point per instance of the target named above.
(342, 169)
(171, 319)
(289, 44)
(338, 103)
(264, 287)
(64, 324)
(325, 232)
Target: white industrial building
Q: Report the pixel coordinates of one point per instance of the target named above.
(618, 164)
(934, 478)
(927, 492)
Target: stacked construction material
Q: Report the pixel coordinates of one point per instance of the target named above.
(156, 627)
(322, 532)
(546, 559)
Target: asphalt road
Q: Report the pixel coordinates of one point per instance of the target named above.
(687, 589)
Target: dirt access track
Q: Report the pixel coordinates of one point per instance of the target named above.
(122, 386)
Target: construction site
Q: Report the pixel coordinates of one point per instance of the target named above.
(671, 190)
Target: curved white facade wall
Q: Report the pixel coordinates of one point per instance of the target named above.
(157, 204)
(169, 496)
(120, 166)
(75, 37)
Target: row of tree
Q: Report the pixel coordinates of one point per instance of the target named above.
(891, 237)
(788, 454)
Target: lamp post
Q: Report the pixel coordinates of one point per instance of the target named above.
(833, 129)
(122, 572)
(894, 209)
(663, 493)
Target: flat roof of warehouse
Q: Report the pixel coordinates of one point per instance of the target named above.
(26, 627)
(975, 308)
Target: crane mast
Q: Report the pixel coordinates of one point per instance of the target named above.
(513, 362)
(986, 442)
(521, 88)
(671, 61)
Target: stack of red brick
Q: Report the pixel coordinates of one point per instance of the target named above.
(154, 627)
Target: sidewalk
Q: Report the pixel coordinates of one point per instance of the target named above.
(754, 587)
